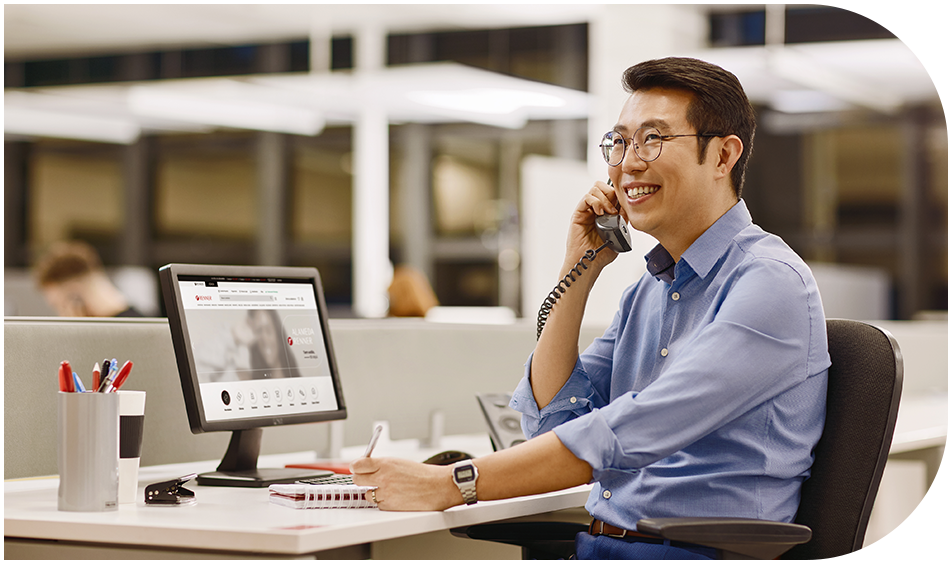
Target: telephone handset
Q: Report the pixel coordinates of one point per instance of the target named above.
(614, 233)
(612, 229)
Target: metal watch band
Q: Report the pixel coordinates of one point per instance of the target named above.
(468, 487)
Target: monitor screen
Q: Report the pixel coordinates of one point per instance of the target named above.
(253, 348)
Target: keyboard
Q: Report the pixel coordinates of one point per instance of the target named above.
(334, 479)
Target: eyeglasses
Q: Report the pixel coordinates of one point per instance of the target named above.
(647, 142)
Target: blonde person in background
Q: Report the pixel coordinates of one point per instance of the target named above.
(74, 283)
(410, 294)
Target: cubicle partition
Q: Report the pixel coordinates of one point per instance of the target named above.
(395, 370)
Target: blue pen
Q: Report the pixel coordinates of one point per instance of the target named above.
(78, 382)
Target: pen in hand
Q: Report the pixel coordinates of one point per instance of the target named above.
(376, 432)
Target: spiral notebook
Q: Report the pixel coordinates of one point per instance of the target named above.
(298, 495)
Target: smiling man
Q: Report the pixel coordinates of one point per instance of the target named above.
(706, 395)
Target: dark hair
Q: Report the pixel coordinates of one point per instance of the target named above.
(719, 104)
(66, 260)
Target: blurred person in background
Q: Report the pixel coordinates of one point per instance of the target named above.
(410, 293)
(74, 283)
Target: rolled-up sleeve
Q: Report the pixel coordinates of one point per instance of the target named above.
(575, 398)
(586, 389)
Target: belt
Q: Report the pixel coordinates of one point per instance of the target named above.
(601, 528)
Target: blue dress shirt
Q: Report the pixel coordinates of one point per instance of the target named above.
(706, 395)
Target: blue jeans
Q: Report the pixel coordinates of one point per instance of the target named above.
(606, 547)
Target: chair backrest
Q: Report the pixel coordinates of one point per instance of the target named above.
(863, 396)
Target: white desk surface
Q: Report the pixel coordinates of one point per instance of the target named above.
(242, 519)
(921, 422)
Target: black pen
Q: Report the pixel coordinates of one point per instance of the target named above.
(103, 373)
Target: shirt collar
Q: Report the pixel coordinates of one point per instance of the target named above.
(659, 263)
(702, 255)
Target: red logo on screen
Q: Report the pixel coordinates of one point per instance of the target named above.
(202, 297)
(290, 341)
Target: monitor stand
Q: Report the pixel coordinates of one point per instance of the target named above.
(239, 466)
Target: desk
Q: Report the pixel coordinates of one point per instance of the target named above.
(920, 432)
(232, 522)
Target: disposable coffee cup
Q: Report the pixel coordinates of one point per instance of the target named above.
(131, 424)
(88, 451)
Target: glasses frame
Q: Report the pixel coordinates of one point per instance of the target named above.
(627, 142)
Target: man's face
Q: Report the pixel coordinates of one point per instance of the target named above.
(65, 298)
(672, 193)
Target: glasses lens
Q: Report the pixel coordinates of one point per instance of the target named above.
(613, 147)
(648, 143)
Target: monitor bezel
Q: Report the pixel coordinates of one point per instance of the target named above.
(184, 355)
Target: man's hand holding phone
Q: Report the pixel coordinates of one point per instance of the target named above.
(583, 235)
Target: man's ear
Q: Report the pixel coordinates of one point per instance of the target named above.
(728, 154)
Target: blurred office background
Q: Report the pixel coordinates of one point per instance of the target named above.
(453, 138)
(457, 139)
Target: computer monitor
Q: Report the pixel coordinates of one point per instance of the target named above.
(253, 350)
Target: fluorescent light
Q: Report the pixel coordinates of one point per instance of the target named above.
(495, 101)
(806, 101)
(809, 72)
(223, 110)
(40, 123)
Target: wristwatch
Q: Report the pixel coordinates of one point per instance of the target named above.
(465, 474)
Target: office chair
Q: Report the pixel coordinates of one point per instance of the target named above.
(863, 396)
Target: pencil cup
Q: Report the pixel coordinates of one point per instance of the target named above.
(131, 423)
(88, 451)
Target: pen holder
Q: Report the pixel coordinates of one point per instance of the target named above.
(131, 425)
(88, 451)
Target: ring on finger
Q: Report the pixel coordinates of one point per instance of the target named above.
(374, 497)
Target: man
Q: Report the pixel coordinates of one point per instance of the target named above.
(706, 395)
(75, 284)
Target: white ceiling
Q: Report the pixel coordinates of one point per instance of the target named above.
(882, 75)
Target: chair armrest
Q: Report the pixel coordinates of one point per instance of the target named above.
(747, 537)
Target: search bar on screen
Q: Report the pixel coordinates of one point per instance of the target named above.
(249, 298)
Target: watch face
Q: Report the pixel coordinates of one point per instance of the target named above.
(463, 474)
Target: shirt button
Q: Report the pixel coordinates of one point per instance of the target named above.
(664, 352)
(573, 399)
(607, 494)
(675, 296)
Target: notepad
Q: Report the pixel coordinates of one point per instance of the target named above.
(297, 495)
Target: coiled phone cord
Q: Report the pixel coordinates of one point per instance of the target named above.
(561, 287)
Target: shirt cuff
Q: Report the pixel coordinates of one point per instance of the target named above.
(573, 399)
(591, 439)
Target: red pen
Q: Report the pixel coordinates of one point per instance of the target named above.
(95, 376)
(66, 382)
(122, 376)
